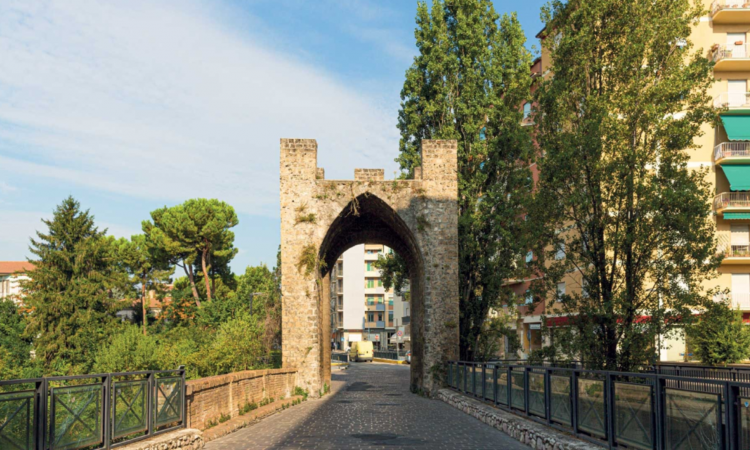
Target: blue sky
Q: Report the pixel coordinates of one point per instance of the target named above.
(133, 105)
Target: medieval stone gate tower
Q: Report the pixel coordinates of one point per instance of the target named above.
(320, 219)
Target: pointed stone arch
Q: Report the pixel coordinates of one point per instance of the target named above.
(320, 219)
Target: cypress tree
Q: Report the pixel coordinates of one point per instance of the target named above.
(71, 290)
(468, 83)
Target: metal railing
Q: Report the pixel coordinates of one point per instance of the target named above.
(732, 100)
(98, 411)
(719, 5)
(741, 301)
(732, 150)
(340, 357)
(737, 251)
(618, 409)
(723, 51)
(389, 354)
(732, 200)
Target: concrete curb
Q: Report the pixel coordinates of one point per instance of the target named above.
(388, 361)
(533, 434)
(239, 422)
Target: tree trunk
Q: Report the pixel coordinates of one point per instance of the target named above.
(205, 273)
(143, 304)
(189, 272)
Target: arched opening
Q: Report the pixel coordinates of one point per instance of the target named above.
(369, 220)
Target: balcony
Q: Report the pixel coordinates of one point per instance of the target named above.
(375, 324)
(736, 254)
(375, 307)
(741, 301)
(732, 202)
(730, 11)
(735, 102)
(732, 153)
(731, 58)
(406, 320)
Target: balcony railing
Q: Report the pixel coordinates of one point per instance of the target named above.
(737, 200)
(741, 301)
(721, 5)
(733, 100)
(737, 251)
(732, 150)
(723, 52)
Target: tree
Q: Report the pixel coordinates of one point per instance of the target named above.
(196, 232)
(71, 290)
(128, 351)
(468, 83)
(617, 206)
(394, 271)
(15, 348)
(147, 266)
(720, 335)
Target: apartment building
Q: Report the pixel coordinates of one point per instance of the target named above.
(363, 310)
(725, 150)
(11, 275)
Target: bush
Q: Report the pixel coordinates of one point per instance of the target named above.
(720, 336)
(129, 351)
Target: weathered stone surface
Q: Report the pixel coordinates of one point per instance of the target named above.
(320, 219)
(185, 439)
(533, 434)
(209, 398)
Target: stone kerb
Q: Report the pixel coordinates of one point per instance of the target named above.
(421, 214)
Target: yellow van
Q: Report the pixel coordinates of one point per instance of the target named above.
(360, 351)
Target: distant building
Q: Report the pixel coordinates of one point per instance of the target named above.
(362, 309)
(11, 275)
(155, 306)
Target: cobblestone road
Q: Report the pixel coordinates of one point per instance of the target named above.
(371, 407)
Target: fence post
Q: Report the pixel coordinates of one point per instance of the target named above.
(548, 395)
(730, 404)
(151, 403)
(40, 414)
(106, 390)
(184, 398)
(465, 382)
(526, 389)
(494, 384)
(509, 387)
(574, 401)
(609, 409)
(484, 381)
(660, 412)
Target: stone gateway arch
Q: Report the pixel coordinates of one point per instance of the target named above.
(320, 219)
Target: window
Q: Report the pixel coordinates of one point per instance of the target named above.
(380, 317)
(370, 301)
(390, 316)
(560, 252)
(529, 299)
(526, 110)
(368, 266)
(560, 291)
(529, 256)
(370, 317)
(369, 283)
(584, 289)
(380, 282)
(390, 301)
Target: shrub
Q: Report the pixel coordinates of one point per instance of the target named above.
(129, 351)
(720, 336)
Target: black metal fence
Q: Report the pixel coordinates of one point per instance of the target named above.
(340, 357)
(389, 354)
(90, 411)
(655, 410)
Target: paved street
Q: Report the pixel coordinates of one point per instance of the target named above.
(371, 407)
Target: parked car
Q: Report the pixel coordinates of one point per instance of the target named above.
(361, 351)
(408, 357)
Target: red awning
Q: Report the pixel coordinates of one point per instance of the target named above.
(565, 320)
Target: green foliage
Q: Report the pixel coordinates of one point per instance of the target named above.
(301, 392)
(247, 407)
(393, 271)
(494, 333)
(224, 417)
(195, 233)
(70, 292)
(720, 336)
(147, 267)
(129, 350)
(14, 346)
(303, 216)
(308, 260)
(468, 83)
(236, 346)
(628, 98)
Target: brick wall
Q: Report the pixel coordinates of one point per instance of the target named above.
(209, 398)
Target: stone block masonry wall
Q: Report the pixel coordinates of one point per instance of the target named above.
(320, 219)
(209, 398)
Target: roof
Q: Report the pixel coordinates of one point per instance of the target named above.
(8, 267)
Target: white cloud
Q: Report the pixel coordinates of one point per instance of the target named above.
(161, 101)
